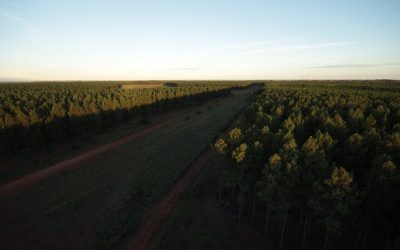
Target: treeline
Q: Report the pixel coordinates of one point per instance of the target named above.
(318, 157)
(36, 115)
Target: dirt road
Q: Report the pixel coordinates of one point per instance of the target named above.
(160, 211)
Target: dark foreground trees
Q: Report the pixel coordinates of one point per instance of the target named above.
(326, 164)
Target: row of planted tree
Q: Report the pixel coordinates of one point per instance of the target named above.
(318, 156)
(35, 115)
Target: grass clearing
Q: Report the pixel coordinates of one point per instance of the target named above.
(141, 86)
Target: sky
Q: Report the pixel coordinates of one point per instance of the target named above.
(202, 39)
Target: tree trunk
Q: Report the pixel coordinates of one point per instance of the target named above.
(300, 220)
(240, 204)
(326, 240)
(358, 239)
(366, 232)
(266, 223)
(220, 190)
(282, 233)
(254, 199)
(233, 195)
(303, 242)
(240, 195)
(309, 223)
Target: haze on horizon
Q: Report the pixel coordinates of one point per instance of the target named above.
(120, 40)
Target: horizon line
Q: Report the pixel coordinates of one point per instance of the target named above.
(190, 80)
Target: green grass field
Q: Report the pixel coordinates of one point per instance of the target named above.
(106, 197)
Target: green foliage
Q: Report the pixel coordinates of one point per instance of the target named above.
(333, 199)
(306, 130)
(220, 146)
(235, 136)
(239, 154)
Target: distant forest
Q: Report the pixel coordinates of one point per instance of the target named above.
(40, 115)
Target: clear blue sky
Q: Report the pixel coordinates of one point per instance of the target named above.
(203, 39)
